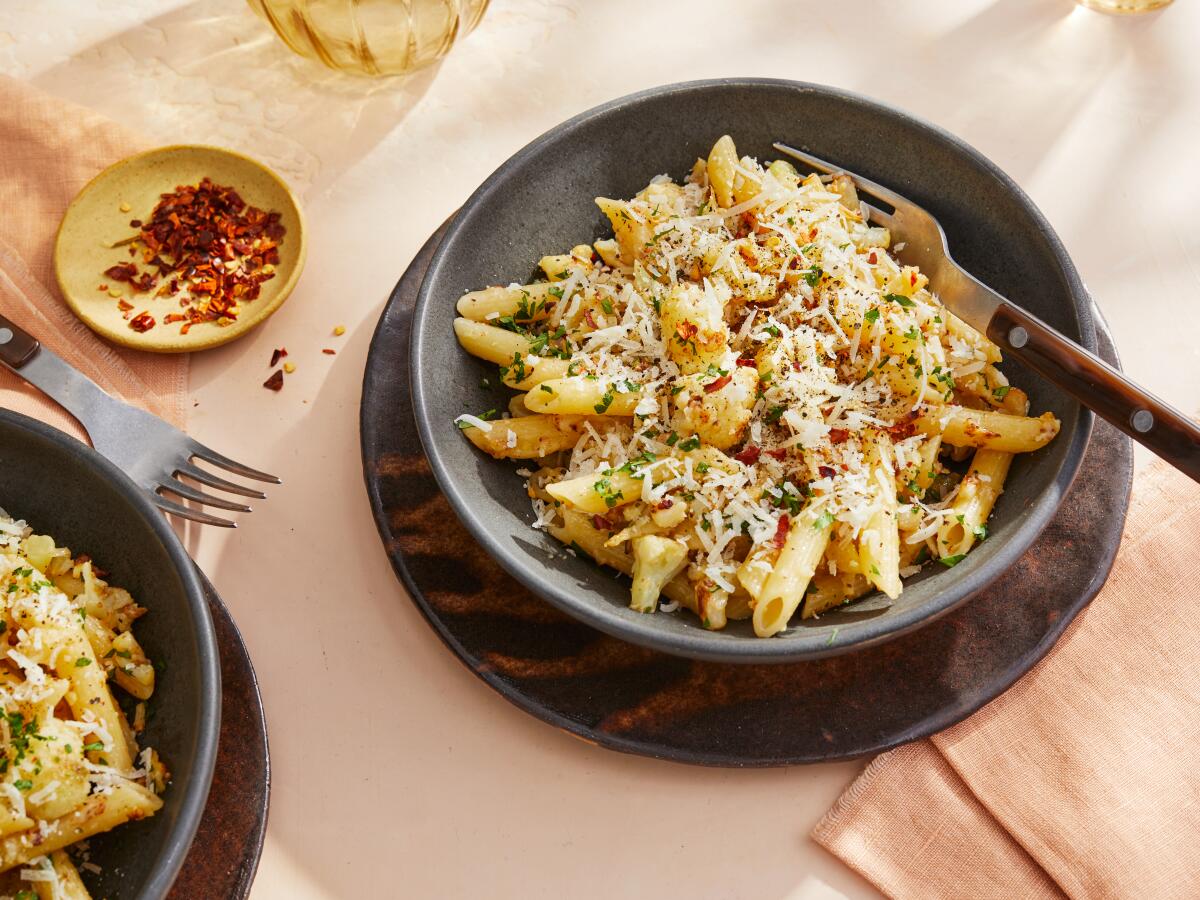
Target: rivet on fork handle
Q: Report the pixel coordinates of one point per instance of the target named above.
(16, 346)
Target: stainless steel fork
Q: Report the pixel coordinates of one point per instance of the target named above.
(1057, 358)
(150, 451)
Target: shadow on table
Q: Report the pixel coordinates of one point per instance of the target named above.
(212, 72)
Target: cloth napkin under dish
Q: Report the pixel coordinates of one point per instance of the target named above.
(49, 149)
(1083, 780)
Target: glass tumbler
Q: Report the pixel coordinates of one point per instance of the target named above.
(371, 37)
(1124, 7)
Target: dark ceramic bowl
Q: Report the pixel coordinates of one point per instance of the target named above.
(65, 489)
(540, 201)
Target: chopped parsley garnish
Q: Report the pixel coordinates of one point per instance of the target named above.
(813, 275)
(1001, 392)
(774, 413)
(605, 402)
(82, 662)
(604, 488)
(898, 298)
(519, 372)
(606, 305)
(793, 502)
(823, 521)
(692, 443)
(672, 439)
(872, 316)
(951, 561)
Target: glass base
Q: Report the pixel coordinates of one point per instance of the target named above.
(1124, 7)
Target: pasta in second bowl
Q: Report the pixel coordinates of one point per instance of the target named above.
(739, 397)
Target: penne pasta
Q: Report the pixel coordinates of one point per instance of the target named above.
(527, 437)
(977, 494)
(807, 537)
(579, 395)
(962, 427)
(531, 303)
(747, 403)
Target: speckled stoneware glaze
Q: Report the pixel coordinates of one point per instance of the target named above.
(65, 489)
(540, 201)
(95, 221)
(229, 842)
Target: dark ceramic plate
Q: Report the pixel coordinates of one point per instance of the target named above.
(65, 489)
(540, 201)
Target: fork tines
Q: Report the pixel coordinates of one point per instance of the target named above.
(181, 490)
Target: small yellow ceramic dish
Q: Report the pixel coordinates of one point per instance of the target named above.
(99, 218)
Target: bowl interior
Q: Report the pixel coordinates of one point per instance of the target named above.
(541, 202)
(64, 489)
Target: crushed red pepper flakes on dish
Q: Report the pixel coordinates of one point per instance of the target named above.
(749, 455)
(717, 383)
(781, 531)
(328, 350)
(205, 244)
(278, 354)
(142, 322)
(275, 382)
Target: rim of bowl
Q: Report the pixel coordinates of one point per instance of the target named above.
(191, 808)
(706, 645)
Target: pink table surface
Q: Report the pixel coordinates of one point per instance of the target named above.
(396, 772)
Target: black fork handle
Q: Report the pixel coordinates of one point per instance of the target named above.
(1148, 420)
(17, 346)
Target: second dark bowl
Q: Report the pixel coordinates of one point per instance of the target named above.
(69, 491)
(540, 202)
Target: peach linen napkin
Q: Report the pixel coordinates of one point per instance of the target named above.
(1083, 780)
(49, 149)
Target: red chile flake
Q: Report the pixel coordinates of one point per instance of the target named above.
(838, 435)
(826, 471)
(781, 531)
(328, 350)
(717, 383)
(277, 355)
(749, 455)
(747, 363)
(275, 382)
(780, 454)
(142, 322)
(205, 240)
